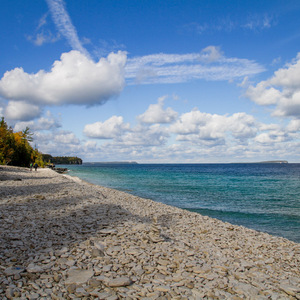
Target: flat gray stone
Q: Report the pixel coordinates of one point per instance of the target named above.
(79, 276)
(34, 269)
(11, 271)
(290, 290)
(120, 281)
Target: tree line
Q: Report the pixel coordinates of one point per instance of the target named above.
(15, 148)
(62, 160)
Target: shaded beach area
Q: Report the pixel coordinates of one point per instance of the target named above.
(63, 238)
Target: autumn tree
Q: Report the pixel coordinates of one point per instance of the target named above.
(15, 148)
(7, 143)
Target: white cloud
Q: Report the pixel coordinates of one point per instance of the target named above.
(43, 37)
(209, 64)
(195, 137)
(64, 24)
(144, 136)
(42, 21)
(282, 90)
(156, 114)
(272, 137)
(111, 128)
(21, 110)
(199, 127)
(242, 126)
(58, 143)
(107, 46)
(252, 22)
(263, 94)
(259, 22)
(43, 123)
(211, 54)
(294, 125)
(74, 79)
(276, 61)
(245, 82)
(64, 137)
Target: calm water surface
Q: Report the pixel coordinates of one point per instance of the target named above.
(265, 197)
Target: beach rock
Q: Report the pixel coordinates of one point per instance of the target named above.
(90, 242)
(34, 269)
(11, 271)
(120, 281)
(78, 276)
(108, 231)
(9, 293)
(99, 245)
(290, 290)
(162, 288)
(81, 292)
(97, 253)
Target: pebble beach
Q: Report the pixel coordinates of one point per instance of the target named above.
(63, 238)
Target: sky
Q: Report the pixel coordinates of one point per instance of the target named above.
(154, 81)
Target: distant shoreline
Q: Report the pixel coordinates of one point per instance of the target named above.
(181, 163)
(266, 162)
(112, 163)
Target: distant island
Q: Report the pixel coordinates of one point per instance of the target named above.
(267, 162)
(62, 160)
(274, 162)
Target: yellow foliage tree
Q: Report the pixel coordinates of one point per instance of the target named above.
(15, 148)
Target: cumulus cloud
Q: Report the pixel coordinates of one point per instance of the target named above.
(144, 136)
(282, 90)
(58, 143)
(268, 138)
(64, 137)
(156, 114)
(199, 127)
(294, 125)
(43, 123)
(194, 136)
(74, 79)
(209, 64)
(123, 135)
(21, 110)
(111, 128)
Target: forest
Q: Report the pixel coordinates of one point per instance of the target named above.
(62, 160)
(16, 150)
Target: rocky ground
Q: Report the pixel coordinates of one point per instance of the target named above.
(62, 238)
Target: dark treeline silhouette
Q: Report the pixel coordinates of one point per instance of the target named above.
(62, 160)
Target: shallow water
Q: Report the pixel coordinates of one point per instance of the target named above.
(264, 197)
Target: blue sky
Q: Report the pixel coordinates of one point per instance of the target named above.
(154, 81)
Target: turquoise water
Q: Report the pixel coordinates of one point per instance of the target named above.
(264, 197)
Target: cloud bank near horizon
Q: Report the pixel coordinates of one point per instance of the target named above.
(192, 136)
